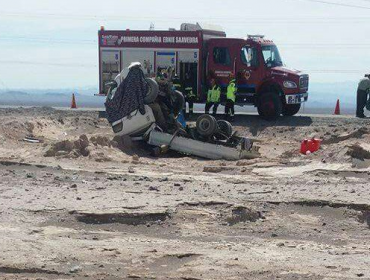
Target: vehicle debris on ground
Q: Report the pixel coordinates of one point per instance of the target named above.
(145, 110)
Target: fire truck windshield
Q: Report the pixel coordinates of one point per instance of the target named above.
(271, 56)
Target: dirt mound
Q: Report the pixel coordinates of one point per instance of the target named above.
(99, 156)
(17, 130)
(357, 134)
(101, 141)
(241, 214)
(98, 148)
(70, 149)
(358, 152)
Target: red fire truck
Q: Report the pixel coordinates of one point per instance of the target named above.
(205, 54)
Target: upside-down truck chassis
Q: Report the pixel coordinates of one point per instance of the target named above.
(137, 108)
(204, 54)
(143, 128)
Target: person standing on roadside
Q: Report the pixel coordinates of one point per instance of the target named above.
(213, 97)
(362, 94)
(231, 98)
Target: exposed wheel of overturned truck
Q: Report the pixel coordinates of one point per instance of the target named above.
(225, 130)
(178, 101)
(291, 110)
(206, 125)
(153, 90)
(270, 106)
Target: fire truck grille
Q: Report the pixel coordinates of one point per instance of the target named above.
(303, 82)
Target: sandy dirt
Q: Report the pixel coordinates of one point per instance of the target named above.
(82, 205)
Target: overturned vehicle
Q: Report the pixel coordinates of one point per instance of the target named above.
(152, 111)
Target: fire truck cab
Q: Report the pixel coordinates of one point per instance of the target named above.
(200, 54)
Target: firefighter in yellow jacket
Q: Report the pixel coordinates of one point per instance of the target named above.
(231, 98)
(213, 97)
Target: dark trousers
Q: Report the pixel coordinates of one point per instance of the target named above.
(209, 106)
(190, 99)
(361, 102)
(229, 108)
(191, 106)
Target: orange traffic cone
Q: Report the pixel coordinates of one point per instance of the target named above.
(73, 104)
(337, 108)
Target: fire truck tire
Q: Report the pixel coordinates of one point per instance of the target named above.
(153, 90)
(225, 129)
(270, 106)
(206, 125)
(291, 110)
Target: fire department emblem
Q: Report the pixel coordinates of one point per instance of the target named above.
(247, 75)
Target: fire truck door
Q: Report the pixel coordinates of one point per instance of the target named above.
(247, 73)
(221, 65)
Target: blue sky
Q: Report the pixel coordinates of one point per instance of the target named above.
(53, 44)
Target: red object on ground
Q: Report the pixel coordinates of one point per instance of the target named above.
(337, 108)
(73, 104)
(311, 146)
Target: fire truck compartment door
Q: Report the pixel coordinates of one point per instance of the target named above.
(111, 67)
(191, 56)
(166, 59)
(145, 57)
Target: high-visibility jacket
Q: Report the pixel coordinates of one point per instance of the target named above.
(214, 95)
(188, 87)
(177, 83)
(231, 91)
(190, 93)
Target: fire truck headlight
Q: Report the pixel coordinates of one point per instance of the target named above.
(290, 84)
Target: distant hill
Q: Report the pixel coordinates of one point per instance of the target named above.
(44, 98)
(322, 95)
(326, 94)
(14, 93)
(88, 91)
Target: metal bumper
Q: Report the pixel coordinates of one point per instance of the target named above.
(296, 98)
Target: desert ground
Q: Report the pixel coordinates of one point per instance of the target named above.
(83, 205)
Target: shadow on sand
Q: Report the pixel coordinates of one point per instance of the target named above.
(256, 124)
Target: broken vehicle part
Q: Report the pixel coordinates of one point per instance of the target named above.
(135, 123)
(157, 123)
(128, 97)
(202, 149)
(153, 91)
(225, 130)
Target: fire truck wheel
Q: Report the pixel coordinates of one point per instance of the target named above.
(206, 125)
(270, 106)
(291, 110)
(153, 90)
(225, 128)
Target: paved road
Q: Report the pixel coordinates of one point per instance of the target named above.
(199, 110)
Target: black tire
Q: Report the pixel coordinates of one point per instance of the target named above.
(206, 125)
(291, 110)
(225, 128)
(178, 102)
(270, 106)
(153, 90)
